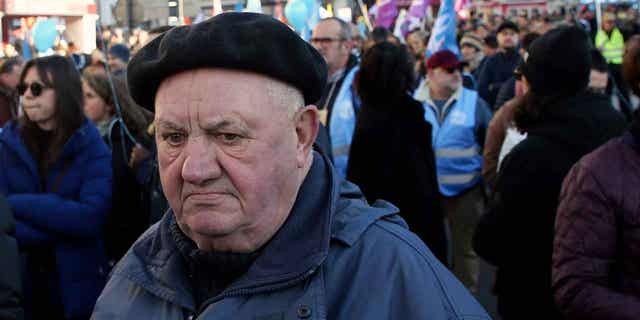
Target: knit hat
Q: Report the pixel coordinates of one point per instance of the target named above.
(471, 39)
(508, 25)
(240, 41)
(120, 51)
(559, 62)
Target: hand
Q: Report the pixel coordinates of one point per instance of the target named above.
(138, 154)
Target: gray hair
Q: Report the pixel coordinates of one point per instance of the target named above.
(345, 28)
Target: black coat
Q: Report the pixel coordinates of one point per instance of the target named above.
(392, 158)
(498, 69)
(516, 234)
(10, 281)
(128, 218)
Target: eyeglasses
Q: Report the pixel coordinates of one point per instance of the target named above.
(36, 88)
(325, 40)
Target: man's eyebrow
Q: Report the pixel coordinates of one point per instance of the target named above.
(161, 123)
(224, 123)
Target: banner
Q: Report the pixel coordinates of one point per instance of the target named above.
(386, 13)
(444, 31)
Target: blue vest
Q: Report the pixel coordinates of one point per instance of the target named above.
(343, 123)
(458, 155)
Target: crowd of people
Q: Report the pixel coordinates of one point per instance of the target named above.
(230, 169)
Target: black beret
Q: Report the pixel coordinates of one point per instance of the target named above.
(508, 25)
(242, 41)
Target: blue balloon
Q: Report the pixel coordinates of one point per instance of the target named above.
(297, 14)
(44, 34)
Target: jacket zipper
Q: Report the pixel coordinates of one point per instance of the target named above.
(248, 291)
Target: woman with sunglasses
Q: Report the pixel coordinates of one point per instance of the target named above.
(121, 134)
(56, 175)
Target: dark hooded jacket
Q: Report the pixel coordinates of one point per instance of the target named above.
(392, 159)
(516, 235)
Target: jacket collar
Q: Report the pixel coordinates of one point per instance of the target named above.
(423, 95)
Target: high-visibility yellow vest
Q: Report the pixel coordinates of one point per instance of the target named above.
(612, 48)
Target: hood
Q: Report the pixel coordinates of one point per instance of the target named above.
(327, 208)
(581, 122)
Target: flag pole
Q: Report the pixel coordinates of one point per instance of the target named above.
(365, 14)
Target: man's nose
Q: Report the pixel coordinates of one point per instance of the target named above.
(201, 164)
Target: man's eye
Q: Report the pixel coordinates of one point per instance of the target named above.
(229, 138)
(174, 139)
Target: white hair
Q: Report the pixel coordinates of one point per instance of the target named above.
(285, 95)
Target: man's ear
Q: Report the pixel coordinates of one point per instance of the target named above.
(307, 126)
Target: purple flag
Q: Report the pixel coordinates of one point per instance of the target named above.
(387, 12)
(418, 8)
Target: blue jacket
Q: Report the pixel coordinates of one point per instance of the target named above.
(458, 135)
(69, 219)
(335, 257)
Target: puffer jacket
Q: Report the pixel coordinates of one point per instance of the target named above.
(69, 219)
(596, 258)
(335, 257)
(10, 287)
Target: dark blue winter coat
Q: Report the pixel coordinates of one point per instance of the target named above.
(69, 219)
(335, 257)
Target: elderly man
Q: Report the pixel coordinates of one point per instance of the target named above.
(261, 226)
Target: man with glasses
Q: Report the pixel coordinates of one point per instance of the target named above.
(332, 38)
(459, 120)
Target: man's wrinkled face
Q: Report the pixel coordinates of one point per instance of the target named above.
(508, 39)
(229, 155)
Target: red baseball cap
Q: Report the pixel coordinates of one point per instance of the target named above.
(443, 59)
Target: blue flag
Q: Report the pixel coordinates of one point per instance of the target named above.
(444, 31)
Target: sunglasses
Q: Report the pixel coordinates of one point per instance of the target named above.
(35, 87)
(451, 70)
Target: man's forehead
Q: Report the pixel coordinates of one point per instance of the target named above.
(328, 27)
(220, 87)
